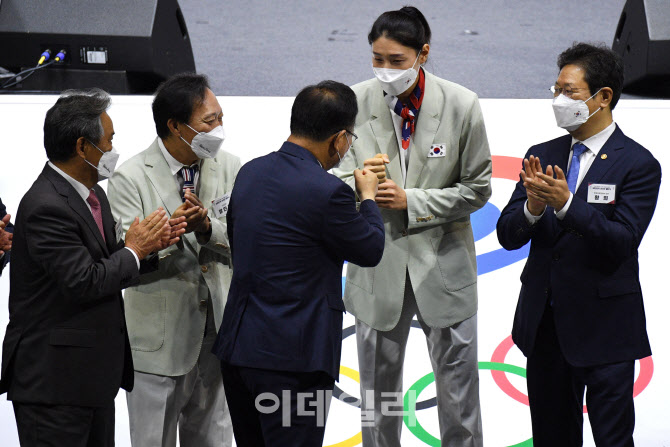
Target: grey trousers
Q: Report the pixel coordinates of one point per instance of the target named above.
(195, 402)
(453, 354)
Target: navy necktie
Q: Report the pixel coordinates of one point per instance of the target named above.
(573, 174)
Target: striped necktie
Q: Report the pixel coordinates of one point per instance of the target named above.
(573, 174)
(188, 179)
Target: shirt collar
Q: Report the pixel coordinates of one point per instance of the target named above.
(81, 189)
(597, 141)
(173, 163)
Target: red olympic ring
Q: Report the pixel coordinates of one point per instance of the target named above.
(499, 377)
(506, 167)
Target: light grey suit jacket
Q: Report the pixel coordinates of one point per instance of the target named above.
(433, 238)
(166, 313)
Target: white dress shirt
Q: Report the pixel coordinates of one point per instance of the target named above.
(84, 192)
(593, 146)
(404, 154)
(175, 166)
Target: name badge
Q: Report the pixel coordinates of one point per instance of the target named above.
(601, 193)
(220, 205)
(437, 150)
(118, 230)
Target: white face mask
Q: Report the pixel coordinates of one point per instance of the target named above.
(207, 145)
(337, 165)
(571, 113)
(107, 163)
(395, 81)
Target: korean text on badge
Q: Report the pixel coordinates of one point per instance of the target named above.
(220, 205)
(601, 193)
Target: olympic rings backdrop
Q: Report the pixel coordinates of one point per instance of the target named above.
(256, 126)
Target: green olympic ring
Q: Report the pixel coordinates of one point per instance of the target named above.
(421, 384)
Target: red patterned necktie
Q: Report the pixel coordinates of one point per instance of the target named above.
(96, 211)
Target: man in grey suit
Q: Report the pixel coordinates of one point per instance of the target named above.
(174, 314)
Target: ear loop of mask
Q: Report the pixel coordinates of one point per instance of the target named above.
(598, 110)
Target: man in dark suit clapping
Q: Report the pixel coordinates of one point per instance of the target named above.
(66, 352)
(584, 202)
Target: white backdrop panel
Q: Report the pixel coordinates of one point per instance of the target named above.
(258, 125)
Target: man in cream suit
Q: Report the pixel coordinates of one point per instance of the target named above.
(174, 314)
(426, 196)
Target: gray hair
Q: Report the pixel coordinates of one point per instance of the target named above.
(76, 114)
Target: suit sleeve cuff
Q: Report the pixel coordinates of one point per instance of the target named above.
(529, 217)
(561, 214)
(137, 259)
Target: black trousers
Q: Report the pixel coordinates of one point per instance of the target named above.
(64, 426)
(277, 408)
(556, 394)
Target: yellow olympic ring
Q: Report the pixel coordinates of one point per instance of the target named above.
(357, 439)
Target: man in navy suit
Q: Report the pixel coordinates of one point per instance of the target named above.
(291, 225)
(6, 230)
(580, 318)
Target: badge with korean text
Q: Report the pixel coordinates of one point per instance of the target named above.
(601, 193)
(220, 205)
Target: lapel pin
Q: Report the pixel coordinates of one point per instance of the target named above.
(604, 156)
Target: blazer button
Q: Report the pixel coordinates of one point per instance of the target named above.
(404, 233)
(203, 268)
(203, 303)
(556, 257)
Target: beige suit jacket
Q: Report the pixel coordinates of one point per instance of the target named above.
(166, 313)
(433, 238)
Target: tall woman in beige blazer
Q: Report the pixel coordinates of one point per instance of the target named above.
(425, 139)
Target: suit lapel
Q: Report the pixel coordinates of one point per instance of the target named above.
(162, 179)
(424, 134)
(382, 128)
(77, 204)
(107, 219)
(558, 155)
(562, 156)
(208, 181)
(607, 157)
(166, 187)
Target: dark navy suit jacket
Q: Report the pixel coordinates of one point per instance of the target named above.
(9, 228)
(291, 226)
(587, 262)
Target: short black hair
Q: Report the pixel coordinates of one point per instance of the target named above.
(407, 26)
(602, 67)
(76, 114)
(176, 99)
(321, 110)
